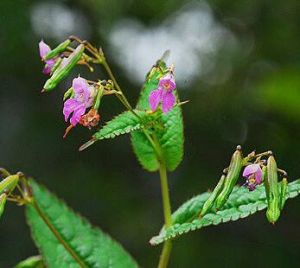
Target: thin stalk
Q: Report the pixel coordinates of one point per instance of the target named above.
(111, 75)
(166, 251)
(165, 194)
(57, 234)
(165, 254)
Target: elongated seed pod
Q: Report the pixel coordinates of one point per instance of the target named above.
(283, 191)
(265, 181)
(211, 199)
(9, 183)
(273, 211)
(59, 49)
(231, 178)
(2, 203)
(56, 65)
(64, 68)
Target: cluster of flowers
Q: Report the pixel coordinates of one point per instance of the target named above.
(81, 95)
(85, 95)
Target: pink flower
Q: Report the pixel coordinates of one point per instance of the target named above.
(83, 98)
(253, 175)
(44, 50)
(163, 94)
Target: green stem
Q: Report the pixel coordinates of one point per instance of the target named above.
(165, 254)
(165, 194)
(57, 234)
(166, 251)
(121, 97)
(111, 75)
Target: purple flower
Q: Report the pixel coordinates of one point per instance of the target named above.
(163, 94)
(253, 174)
(44, 50)
(83, 98)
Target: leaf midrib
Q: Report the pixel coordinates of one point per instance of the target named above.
(59, 236)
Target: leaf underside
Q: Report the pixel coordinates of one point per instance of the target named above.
(124, 123)
(91, 246)
(170, 137)
(240, 204)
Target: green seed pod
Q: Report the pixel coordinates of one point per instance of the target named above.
(265, 181)
(211, 199)
(9, 184)
(56, 65)
(283, 191)
(273, 211)
(2, 203)
(64, 68)
(231, 178)
(59, 49)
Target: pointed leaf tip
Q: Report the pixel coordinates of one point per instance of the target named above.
(87, 144)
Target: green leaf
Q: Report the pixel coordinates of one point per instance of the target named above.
(66, 240)
(32, 262)
(125, 122)
(170, 136)
(240, 204)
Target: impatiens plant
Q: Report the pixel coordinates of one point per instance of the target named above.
(155, 125)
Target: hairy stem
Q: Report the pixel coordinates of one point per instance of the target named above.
(57, 234)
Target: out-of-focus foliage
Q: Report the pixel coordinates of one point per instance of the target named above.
(238, 95)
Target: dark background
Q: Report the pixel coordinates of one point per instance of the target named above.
(243, 84)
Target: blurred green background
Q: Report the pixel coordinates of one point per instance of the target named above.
(237, 62)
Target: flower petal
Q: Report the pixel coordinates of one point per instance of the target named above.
(155, 98)
(44, 49)
(69, 106)
(78, 112)
(81, 89)
(251, 169)
(169, 80)
(258, 175)
(48, 66)
(168, 101)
